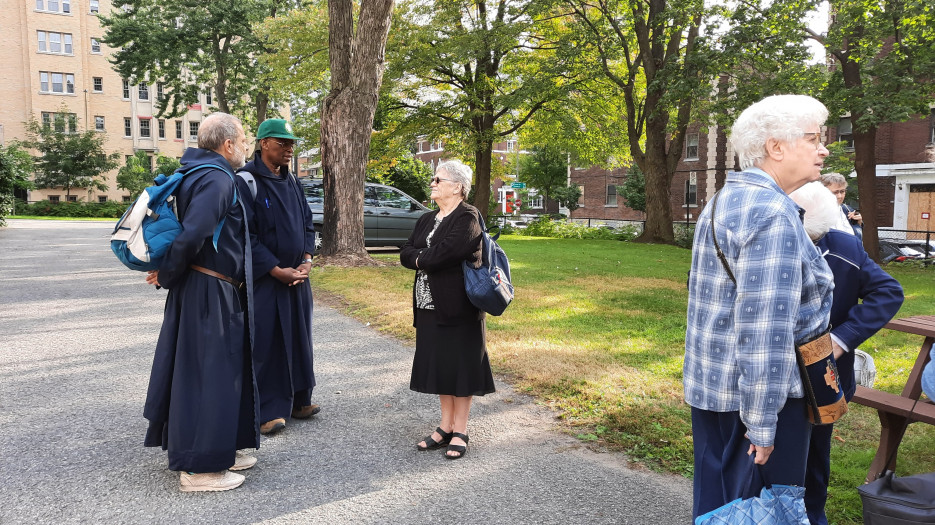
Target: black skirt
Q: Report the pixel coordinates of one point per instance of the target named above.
(450, 360)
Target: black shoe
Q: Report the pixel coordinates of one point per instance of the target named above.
(431, 444)
(460, 449)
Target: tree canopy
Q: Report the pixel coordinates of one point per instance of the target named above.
(16, 166)
(138, 173)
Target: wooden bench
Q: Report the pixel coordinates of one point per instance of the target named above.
(893, 409)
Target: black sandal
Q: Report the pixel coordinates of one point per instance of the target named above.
(431, 444)
(460, 449)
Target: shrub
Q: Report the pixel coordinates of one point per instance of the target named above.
(111, 209)
(543, 226)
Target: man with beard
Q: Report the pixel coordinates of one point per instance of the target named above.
(200, 403)
(283, 240)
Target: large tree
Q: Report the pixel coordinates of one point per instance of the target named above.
(884, 71)
(474, 72)
(357, 56)
(192, 46)
(138, 172)
(15, 168)
(545, 169)
(68, 158)
(654, 53)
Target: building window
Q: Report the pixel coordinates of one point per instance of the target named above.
(126, 89)
(178, 129)
(96, 46)
(98, 84)
(57, 43)
(162, 128)
(127, 127)
(145, 130)
(611, 195)
(61, 122)
(95, 6)
(143, 91)
(72, 198)
(193, 131)
(54, 199)
(98, 123)
(54, 6)
(580, 196)
(208, 99)
(846, 132)
(102, 198)
(126, 198)
(43, 38)
(691, 189)
(160, 91)
(932, 127)
(691, 146)
(510, 145)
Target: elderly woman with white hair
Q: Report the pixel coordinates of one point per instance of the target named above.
(451, 350)
(757, 288)
(865, 299)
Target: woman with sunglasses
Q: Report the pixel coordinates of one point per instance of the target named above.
(451, 352)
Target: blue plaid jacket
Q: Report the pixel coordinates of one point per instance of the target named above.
(739, 344)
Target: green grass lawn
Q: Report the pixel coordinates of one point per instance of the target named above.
(597, 332)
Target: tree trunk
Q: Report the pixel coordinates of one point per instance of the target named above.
(482, 160)
(357, 65)
(865, 163)
(658, 179)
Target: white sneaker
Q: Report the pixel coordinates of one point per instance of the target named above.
(209, 481)
(243, 461)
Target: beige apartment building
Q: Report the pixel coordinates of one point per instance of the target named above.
(53, 56)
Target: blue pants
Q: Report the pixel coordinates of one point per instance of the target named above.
(724, 471)
(818, 473)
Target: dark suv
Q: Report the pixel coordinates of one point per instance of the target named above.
(389, 214)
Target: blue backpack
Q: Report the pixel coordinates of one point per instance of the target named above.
(489, 287)
(149, 226)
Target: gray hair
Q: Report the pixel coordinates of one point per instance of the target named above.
(821, 208)
(217, 128)
(780, 117)
(832, 179)
(459, 172)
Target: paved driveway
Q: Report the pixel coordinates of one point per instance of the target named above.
(77, 333)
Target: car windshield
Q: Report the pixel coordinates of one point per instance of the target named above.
(390, 198)
(315, 193)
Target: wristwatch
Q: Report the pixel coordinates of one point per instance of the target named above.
(306, 261)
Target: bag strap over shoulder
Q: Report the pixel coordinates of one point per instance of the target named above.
(250, 180)
(217, 231)
(717, 247)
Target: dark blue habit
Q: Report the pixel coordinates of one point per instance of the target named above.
(281, 233)
(201, 404)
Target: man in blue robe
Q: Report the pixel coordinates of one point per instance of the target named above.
(283, 240)
(201, 403)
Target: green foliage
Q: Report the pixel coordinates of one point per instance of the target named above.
(567, 197)
(545, 169)
(136, 175)
(409, 175)
(69, 159)
(16, 165)
(190, 47)
(546, 227)
(109, 209)
(633, 190)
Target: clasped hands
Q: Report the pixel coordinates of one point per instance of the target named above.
(291, 276)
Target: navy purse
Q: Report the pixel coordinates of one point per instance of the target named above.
(489, 287)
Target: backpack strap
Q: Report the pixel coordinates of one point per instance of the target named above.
(250, 180)
(217, 231)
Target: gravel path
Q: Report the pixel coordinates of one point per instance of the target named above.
(77, 333)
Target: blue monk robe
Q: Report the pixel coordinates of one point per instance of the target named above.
(281, 233)
(201, 403)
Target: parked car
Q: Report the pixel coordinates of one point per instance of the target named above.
(389, 214)
(896, 251)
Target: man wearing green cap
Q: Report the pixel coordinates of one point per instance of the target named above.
(283, 240)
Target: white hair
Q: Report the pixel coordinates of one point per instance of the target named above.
(821, 208)
(781, 117)
(459, 172)
(832, 179)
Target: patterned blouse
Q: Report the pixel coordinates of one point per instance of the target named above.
(423, 292)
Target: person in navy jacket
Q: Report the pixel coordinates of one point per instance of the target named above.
(200, 402)
(865, 299)
(282, 236)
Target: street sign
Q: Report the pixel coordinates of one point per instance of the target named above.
(518, 185)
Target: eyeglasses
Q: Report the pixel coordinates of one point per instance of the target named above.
(284, 145)
(814, 138)
(438, 180)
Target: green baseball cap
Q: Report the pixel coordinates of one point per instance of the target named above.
(276, 128)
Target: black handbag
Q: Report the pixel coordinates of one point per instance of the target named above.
(824, 396)
(893, 500)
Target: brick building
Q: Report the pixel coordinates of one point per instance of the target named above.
(53, 56)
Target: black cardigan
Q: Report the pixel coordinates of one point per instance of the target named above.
(457, 239)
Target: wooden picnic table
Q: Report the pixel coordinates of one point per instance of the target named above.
(894, 410)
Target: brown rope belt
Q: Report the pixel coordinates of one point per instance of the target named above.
(220, 276)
